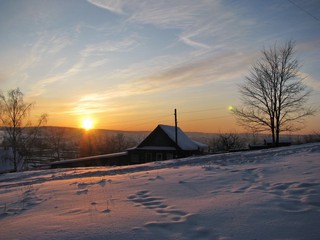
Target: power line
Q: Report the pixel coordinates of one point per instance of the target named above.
(203, 119)
(141, 119)
(129, 124)
(159, 117)
(204, 110)
(302, 9)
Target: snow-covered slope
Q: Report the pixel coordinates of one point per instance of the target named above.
(267, 194)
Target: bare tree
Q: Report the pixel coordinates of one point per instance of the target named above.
(56, 141)
(13, 117)
(314, 137)
(92, 143)
(274, 96)
(119, 142)
(227, 142)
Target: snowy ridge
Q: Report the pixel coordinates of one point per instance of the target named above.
(222, 159)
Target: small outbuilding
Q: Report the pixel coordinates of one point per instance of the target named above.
(283, 142)
(268, 143)
(162, 144)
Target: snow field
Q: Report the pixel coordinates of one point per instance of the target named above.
(267, 194)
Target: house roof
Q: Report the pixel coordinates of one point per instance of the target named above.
(184, 142)
(161, 148)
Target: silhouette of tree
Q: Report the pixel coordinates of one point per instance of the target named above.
(20, 134)
(274, 96)
(227, 142)
(56, 141)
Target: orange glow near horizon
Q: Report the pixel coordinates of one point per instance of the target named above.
(217, 121)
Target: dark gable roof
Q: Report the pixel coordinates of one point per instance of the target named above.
(184, 142)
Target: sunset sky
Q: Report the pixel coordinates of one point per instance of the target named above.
(129, 64)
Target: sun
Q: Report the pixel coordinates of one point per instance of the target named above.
(87, 123)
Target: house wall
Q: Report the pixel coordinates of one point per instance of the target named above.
(111, 160)
(144, 156)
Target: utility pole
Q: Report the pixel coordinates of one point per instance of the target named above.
(176, 131)
(176, 125)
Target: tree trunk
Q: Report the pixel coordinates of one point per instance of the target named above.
(273, 136)
(15, 164)
(14, 151)
(277, 135)
(273, 131)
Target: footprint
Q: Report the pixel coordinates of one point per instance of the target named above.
(83, 185)
(297, 196)
(312, 199)
(77, 211)
(291, 205)
(156, 178)
(102, 183)
(144, 192)
(145, 199)
(106, 210)
(85, 191)
(280, 186)
(169, 218)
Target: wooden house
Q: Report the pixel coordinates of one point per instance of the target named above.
(162, 144)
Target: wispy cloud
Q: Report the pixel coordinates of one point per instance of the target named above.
(192, 43)
(81, 64)
(226, 66)
(46, 44)
(191, 18)
(310, 81)
(112, 5)
(89, 104)
(169, 14)
(29, 61)
(229, 66)
(101, 48)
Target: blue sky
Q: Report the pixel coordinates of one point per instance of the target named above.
(128, 64)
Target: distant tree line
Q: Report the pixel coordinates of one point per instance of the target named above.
(95, 143)
(232, 141)
(225, 142)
